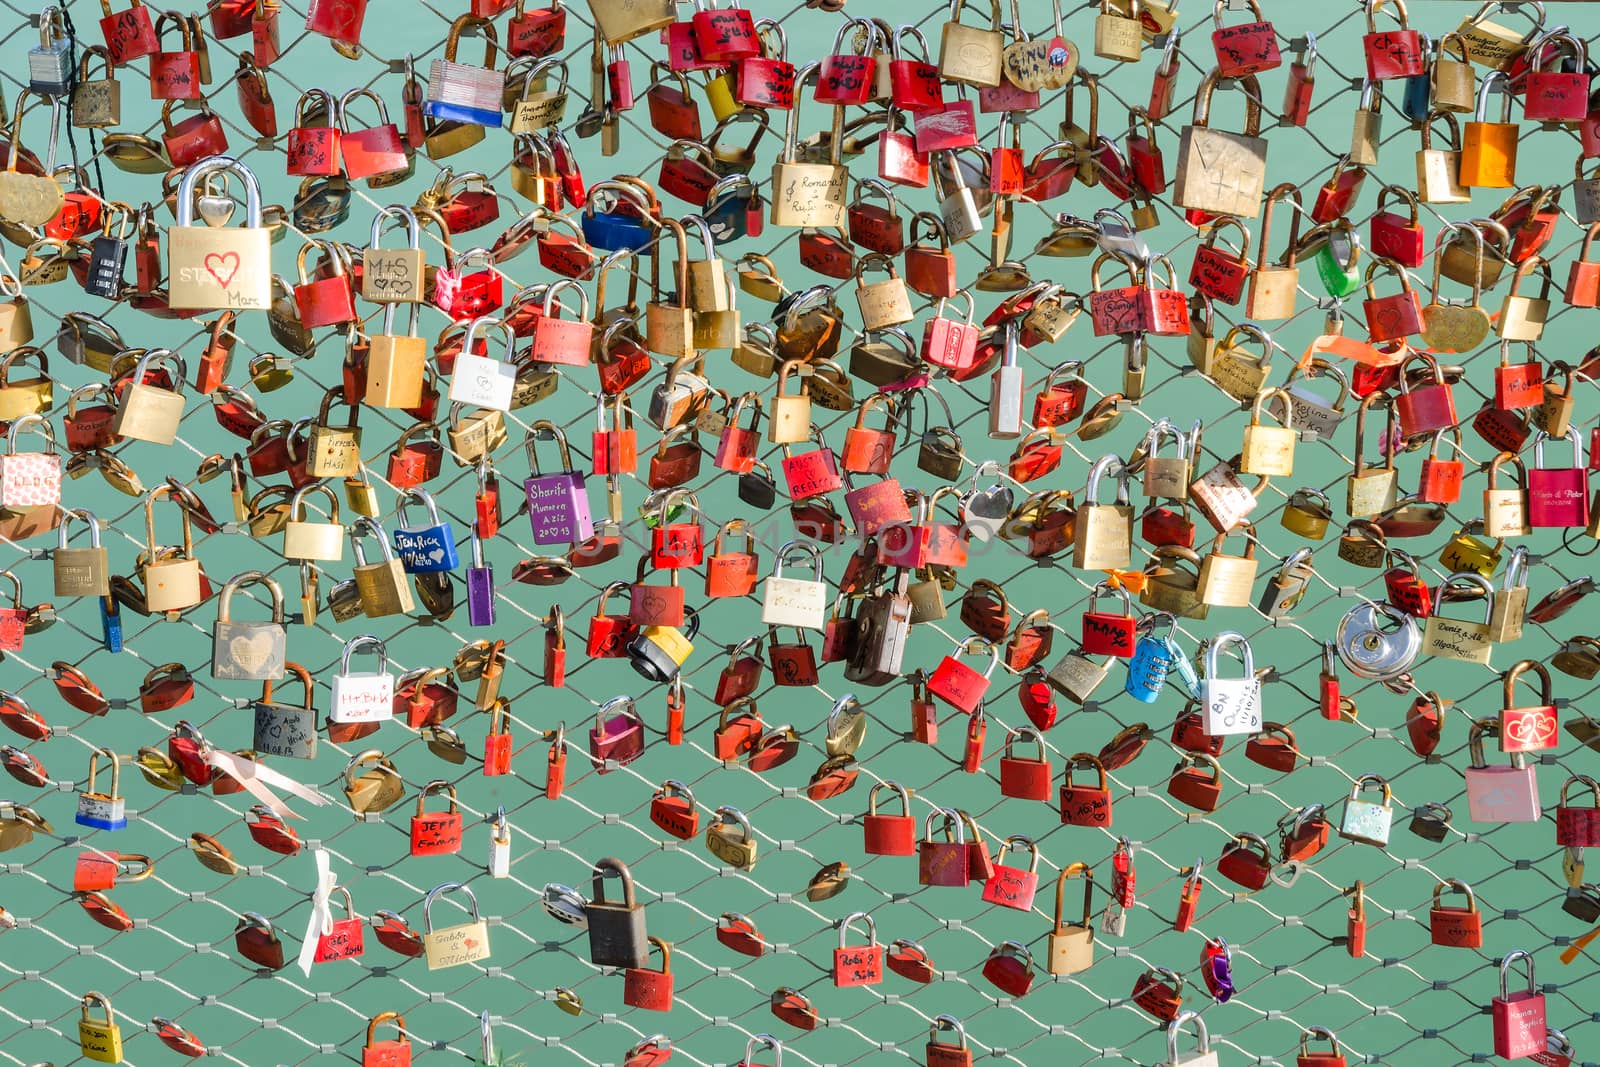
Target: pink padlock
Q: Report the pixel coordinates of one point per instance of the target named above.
(1558, 496)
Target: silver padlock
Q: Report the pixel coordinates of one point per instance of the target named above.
(248, 651)
(1378, 641)
(1076, 675)
(1005, 388)
(50, 62)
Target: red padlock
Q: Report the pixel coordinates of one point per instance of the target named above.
(673, 809)
(847, 78)
(648, 989)
(766, 80)
(1527, 729)
(1021, 776)
(1196, 781)
(1246, 861)
(1014, 887)
(1109, 633)
(1356, 923)
(858, 965)
(1440, 479)
(1307, 1058)
(337, 19)
(889, 835)
(1576, 826)
(129, 34)
(1188, 899)
(1455, 927)
(1427, 407)
(1519, 1018)
(943, 863)
(314, 149)
(175, 75)
(958, 684)
(1394, 236)
(436, 833)
(1217, 273)
(555, 766)
(258, 942)
(1009, 968)
(343, 939)
(392, 1053)
(1248, 48)
(737, 932)
(193, 139)
(1159, 992)
(1393, 53)
(538, 32)
(1085, 805)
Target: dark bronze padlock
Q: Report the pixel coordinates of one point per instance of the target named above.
(1431, 821)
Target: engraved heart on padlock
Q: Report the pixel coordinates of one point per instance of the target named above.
(1454, 328)
(252, 653)
(1033, 66)
(985, 510)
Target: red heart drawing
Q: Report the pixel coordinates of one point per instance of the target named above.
(222, 266)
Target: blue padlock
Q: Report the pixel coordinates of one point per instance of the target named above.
(1416, 99)
(424, 549)
(734, 202)
(613, 230)
(111, 623)
(1151, 663)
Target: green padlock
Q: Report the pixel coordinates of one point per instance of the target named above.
(1339, 259)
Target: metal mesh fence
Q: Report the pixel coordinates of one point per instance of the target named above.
(1402, 1000)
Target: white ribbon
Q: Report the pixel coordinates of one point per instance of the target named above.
(321, 915)
(256, 777)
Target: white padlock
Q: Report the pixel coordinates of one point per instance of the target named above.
(1232, 705)
(795, 601)
(500, 847)
(364, 696)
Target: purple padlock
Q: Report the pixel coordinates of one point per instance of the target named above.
(480, 586)
(558, 504)
(1558, 496)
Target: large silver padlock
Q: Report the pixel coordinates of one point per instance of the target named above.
(248, 651)
(1378, 641)
(1367, 821)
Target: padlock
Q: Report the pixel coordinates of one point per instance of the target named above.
(392, 1053)
(1365, 820)
(248, 651)
(1458, 638)
(451, 946)
(1009, 968)
(428, 548)
(1218, 171)
(938, 1053)
(98, 1039)
(1498, 793)
(1024, 777)
(1518, 1018)
(1455, 927)
(1085, 805)
(889, 835)
(219, 268)
(365, 696)
(148, 412)
(1489, 149)
(102, 811)
(1196, 781)
(306, 539)
(284, 729)
(857, 965)
(943, 863)
(1549, 93)
(1232, 705)
(795, 601)
(648, 989)
(436, 833)
(1527, 729)
(616, 738)
(382, 586)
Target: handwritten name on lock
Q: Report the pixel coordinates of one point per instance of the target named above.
(805, 187)
(550, 508)
(858, 965)
(420, 548)
(455, 945)
(1009, 887)
(388, 276)
(1116, 637)
(283, 731)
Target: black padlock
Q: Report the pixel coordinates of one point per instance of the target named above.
(616, 927)
(1431, 821)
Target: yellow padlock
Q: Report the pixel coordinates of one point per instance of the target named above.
(100, 1040)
